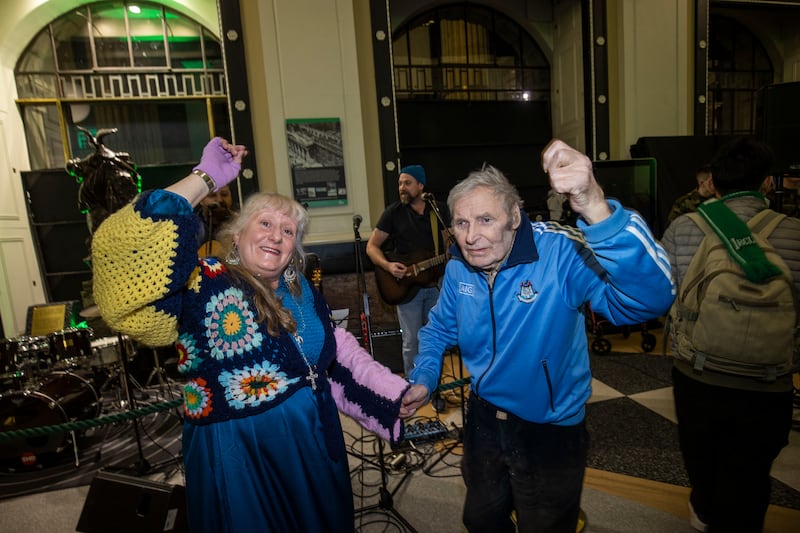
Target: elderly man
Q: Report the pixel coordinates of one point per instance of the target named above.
(512, 299)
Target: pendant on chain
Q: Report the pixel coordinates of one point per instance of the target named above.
(312, 377)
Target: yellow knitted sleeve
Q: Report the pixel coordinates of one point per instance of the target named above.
(132, 260)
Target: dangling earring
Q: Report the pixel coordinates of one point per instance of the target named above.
(232, 257)
(290, 274)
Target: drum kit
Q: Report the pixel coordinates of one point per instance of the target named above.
(56, 379)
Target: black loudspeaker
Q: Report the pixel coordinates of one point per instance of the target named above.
(387, 348)
(778, 124)
(126, 504)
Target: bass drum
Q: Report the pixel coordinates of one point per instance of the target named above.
(63, 397)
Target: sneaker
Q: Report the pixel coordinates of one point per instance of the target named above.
(695, 521)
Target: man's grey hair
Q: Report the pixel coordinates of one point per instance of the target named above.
(490, 178)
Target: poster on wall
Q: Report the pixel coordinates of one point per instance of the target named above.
(317, 161)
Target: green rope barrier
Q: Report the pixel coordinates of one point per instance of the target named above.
(454, 384)
(136, 413)
(93, 422)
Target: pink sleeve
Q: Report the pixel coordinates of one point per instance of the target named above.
(366, 390)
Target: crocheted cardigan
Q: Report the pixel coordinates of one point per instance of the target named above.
(150, 285)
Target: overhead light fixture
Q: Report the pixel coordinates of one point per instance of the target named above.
(134, 9)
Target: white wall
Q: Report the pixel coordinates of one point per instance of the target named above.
(650, 90)
(309, 54)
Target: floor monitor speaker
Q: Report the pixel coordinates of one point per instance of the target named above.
(126, 504)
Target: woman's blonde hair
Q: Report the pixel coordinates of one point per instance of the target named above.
(268, 306)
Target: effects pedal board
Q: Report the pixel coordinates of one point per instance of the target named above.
(427, 430)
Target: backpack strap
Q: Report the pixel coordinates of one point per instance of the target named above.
(765, 222)
(738, 240)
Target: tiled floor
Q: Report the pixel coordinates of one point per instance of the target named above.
(637, 394)
(659, 400)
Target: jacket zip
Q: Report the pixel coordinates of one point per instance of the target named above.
(494, 336)
(549, 384)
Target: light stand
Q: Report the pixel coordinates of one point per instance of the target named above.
(386, 498)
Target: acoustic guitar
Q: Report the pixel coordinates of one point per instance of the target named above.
(210, 248)
(422, 271)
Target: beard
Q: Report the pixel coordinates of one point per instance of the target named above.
(405, 198)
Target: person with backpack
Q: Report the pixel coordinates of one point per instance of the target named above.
(734, 335)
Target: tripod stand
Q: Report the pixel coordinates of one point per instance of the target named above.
(385, 497)
(141, 466)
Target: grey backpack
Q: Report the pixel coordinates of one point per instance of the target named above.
(722, 321)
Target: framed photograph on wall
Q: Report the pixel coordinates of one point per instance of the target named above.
(317, 161)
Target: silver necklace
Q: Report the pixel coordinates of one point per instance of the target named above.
(312, 375)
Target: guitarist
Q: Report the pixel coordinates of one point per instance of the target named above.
(214, 210)
(406, 230)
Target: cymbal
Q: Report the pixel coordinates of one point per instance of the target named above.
(90, 312)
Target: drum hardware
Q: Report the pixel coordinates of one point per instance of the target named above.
(108, 353)
(23, 360)
(159, 371)
(142, 465)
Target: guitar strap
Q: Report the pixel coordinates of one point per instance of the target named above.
(435, 231)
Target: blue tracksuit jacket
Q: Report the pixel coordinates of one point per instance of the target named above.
(523, 341)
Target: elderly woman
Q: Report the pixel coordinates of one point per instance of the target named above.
(266, 369)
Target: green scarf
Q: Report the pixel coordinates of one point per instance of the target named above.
(738, 238)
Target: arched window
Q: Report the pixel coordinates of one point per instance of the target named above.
(468, 52)
(738, 65)
(151, 72)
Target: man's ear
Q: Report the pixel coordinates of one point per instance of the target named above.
(516, 220)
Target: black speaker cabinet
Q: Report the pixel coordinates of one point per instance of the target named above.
(126, 504)
(387, 346)
(778, 124)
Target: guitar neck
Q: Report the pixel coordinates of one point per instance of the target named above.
(428, 263)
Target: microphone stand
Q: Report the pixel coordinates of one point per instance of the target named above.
(366, 326)
(437, 402)
(386, 498)
(431, 201)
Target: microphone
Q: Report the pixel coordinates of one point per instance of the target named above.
(398, 461)
(356, 221)
(428, 196)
